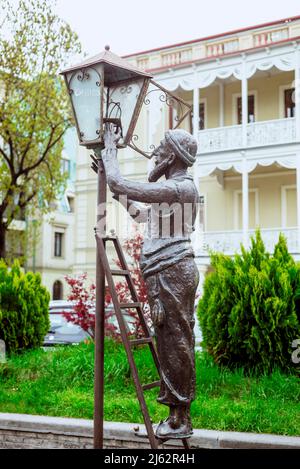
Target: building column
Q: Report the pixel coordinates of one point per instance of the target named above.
(298, 199)
(198, 234)
(196, 101)
(245, 189)
(244, 103)
(221, 99)
(297, 91)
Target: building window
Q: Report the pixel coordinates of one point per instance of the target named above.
(251, 109)
(289, 102)
(202, 122)
(66, 166)
(58, 244)
(202, 213)
(71, 204)
(202, 116)
(57, 291)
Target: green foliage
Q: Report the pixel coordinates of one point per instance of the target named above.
(250, 311)
(60, 383)
(35, 44)
(24, 309)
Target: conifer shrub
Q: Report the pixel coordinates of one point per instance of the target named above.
(24, 308)
(249, 311)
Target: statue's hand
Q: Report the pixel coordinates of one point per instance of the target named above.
(111, 136)
(158, 313)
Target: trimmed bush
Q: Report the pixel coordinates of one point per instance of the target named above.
(24, 308)
(249, 312)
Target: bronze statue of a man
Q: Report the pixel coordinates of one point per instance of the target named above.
(167, 264)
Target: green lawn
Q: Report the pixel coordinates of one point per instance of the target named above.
(60, 383)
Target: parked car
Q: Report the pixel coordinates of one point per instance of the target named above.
(61, 331)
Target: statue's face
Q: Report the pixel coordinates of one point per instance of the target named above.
(161, 156)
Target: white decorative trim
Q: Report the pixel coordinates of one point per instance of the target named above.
(262, 175)
(285, 162)
(283, 58)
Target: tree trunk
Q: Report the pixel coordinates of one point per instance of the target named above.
(3, 229)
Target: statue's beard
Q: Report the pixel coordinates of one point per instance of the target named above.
(158, 171)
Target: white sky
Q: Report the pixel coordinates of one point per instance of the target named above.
(130, 26)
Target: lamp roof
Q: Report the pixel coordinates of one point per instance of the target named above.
(115, 68)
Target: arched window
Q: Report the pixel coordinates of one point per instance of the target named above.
(57, 290)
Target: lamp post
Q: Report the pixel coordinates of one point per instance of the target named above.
(104, 89)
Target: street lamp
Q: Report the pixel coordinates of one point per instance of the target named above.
(104, 89)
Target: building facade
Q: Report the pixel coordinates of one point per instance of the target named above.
(53, 240)
(243, 87)
(245, 90)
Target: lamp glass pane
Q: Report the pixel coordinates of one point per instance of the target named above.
(122, 102)
(85, 89)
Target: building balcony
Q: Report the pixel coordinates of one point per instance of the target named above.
(229, 242)
(218, 46)
(259, 134)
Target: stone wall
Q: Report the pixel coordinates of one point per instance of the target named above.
(20, 431)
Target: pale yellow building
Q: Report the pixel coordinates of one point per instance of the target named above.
(243, 87)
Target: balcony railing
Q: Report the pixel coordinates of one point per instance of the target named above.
(229, 242)
(209, 49)
(176, 57)
(143, 63)
(221, 48)
(267, 37)
(259, 134)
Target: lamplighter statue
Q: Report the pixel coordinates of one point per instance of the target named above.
(107, 95)
(167, 263)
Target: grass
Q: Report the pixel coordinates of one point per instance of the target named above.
(60, 383)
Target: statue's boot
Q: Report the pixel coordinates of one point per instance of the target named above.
(177, 425)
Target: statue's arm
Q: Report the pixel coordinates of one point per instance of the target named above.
(150, 192)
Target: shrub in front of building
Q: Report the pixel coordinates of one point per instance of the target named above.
(24, 308)
(250, 310)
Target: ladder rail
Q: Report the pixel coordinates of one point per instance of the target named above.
(128, 344)
(135, 298)
(122, 326)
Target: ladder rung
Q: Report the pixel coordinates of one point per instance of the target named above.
(120, 272)
(130, 305)
(151, 385)
(145, 340)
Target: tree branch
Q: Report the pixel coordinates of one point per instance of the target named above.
(27, 200)
(50, 145)
(27, 148)
(6, 158)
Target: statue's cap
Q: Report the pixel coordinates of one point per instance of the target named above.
(183, 144)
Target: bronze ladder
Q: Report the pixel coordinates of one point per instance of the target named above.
(128, 344)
